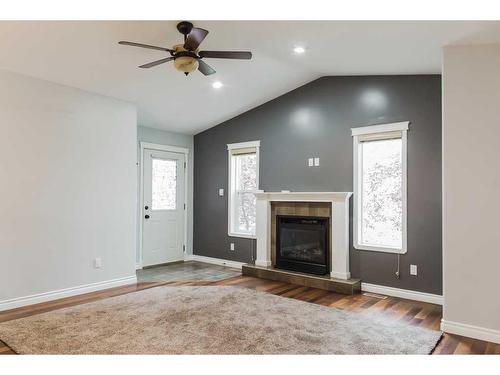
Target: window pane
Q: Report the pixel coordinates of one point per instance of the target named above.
(382, 203)
(246, 213)
(246, 172)
(164, 184)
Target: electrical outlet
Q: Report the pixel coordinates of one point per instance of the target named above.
(97, 263)
(221, 192)
(231, 247)
(413, 269)
(310, 162)
(316, 162)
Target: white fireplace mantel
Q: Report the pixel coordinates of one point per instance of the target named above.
(339, 256)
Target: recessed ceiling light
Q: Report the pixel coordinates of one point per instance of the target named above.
(299, 49)
(217, 85)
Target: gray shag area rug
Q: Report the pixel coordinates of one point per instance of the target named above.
(211, 320)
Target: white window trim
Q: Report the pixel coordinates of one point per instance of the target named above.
(378, 131)
(230, 193)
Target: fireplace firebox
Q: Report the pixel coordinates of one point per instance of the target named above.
(302, 244)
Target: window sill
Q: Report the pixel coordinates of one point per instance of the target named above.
(243, 235)
(380, 249)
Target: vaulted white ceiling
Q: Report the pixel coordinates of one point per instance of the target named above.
(85, 54)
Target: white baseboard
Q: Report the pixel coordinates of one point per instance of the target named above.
(62, 293)
(468, 330)
(402, 293)
(218, 261)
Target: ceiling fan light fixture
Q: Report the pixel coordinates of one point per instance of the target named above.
(186, 64)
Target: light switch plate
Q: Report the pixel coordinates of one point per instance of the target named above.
(316, 162)
(97, 263)
(231, 246)
(413, 269)
(221, 192)
(311, 162)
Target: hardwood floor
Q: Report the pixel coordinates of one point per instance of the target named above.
(412, 312)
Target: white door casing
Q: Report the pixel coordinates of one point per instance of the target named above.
(163, 206)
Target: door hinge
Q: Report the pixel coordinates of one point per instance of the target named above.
(184, 205)
(184, 248)
(184, 165)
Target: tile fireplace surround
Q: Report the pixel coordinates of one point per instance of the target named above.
(339, 248)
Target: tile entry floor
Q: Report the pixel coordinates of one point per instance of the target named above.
(183, 271)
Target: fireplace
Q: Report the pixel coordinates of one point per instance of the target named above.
(302, 244)
(331, 205)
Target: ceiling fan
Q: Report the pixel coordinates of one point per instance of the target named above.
(186, 56)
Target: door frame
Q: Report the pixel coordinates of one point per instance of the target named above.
(168, 148)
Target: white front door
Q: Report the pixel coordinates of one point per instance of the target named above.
(163, 209)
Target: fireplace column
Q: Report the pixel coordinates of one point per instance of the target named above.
(340, 239)
(263, 233)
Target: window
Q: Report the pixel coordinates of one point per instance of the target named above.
(380, 187)
(243, 181)
(164, 184)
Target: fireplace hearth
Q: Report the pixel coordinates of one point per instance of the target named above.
(302, 244)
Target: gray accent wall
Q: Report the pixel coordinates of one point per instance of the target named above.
(315, 121)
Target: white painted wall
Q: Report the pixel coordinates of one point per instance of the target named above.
(68, 187)
(145, 134)
(471, 187)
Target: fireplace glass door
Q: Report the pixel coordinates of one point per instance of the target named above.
(302, 244)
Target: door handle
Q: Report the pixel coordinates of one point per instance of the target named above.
(146, 216)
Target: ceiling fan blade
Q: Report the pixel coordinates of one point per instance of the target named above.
(133, 44)
(205, 68)
(157, 62)
(194, 38)
(226, 55)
